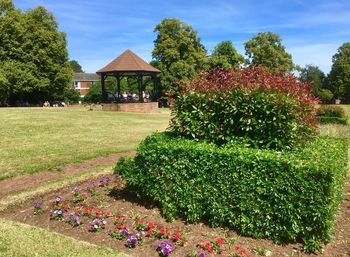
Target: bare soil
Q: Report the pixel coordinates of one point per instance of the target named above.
(127, 204)
(23, 182)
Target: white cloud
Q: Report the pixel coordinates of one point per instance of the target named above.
(315, 54)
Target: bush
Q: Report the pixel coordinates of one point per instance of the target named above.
(333, 120)
(95, 94)
(331, 111)
(325, 95)
(72, 96)
(261, 193)
(328, 114)
(250, 104)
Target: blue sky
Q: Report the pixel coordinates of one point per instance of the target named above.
(98, 31)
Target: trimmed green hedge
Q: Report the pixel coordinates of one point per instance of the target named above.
(333, 120)
(261, 193)
(331, 111)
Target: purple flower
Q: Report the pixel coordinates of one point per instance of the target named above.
(77, 220)
(133, 240)
(140, 233)
(38, 204)
(201, 255)
(97, 224)
(165, 248)
(58, 199)
(104, 181)
(125, 232)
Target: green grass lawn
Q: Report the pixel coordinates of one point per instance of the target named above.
(20, 240)
(336, 130)
(37, 139)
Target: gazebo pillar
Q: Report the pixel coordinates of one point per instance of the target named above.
(140, 89)
(118, 86)
(103, 85)
(154, 78)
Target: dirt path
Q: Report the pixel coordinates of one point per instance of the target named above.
(22, 182)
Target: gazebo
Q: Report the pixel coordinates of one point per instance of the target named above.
(128, 64)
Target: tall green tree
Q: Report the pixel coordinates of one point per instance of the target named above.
(177, 52)
(339, 76)
(313, 74)
(225, 56)
(76, 67)
(266, 49)
(33, 56)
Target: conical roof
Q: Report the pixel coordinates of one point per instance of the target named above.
(128, 62)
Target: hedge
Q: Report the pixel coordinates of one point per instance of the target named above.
(333, 120)
(331, 111)
(284, 196)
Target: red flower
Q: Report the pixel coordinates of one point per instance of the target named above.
(151, 225)
(221, 241)
(207, 245)
(162, 230)
(211, 249)
(176, 235)
(120, 226)
(148, 232)
(242, 251)
(65, 207)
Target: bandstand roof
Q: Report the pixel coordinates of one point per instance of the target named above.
(128, 63)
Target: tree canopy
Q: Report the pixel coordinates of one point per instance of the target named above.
(225, 56)
(76, 67)
(312, 73)
(177, 52)
(33, 56)
(266, 49)
(339, 76)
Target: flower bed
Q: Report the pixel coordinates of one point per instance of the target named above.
(93, 211)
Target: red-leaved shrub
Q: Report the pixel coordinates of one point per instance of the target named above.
(266, 110)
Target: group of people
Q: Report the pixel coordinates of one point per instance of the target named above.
(132, 96)
(54, 104)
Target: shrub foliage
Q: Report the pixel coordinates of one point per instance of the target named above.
(261, 193)
(328, 114)
(267, 110)
(333, 120)
(331, 111)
